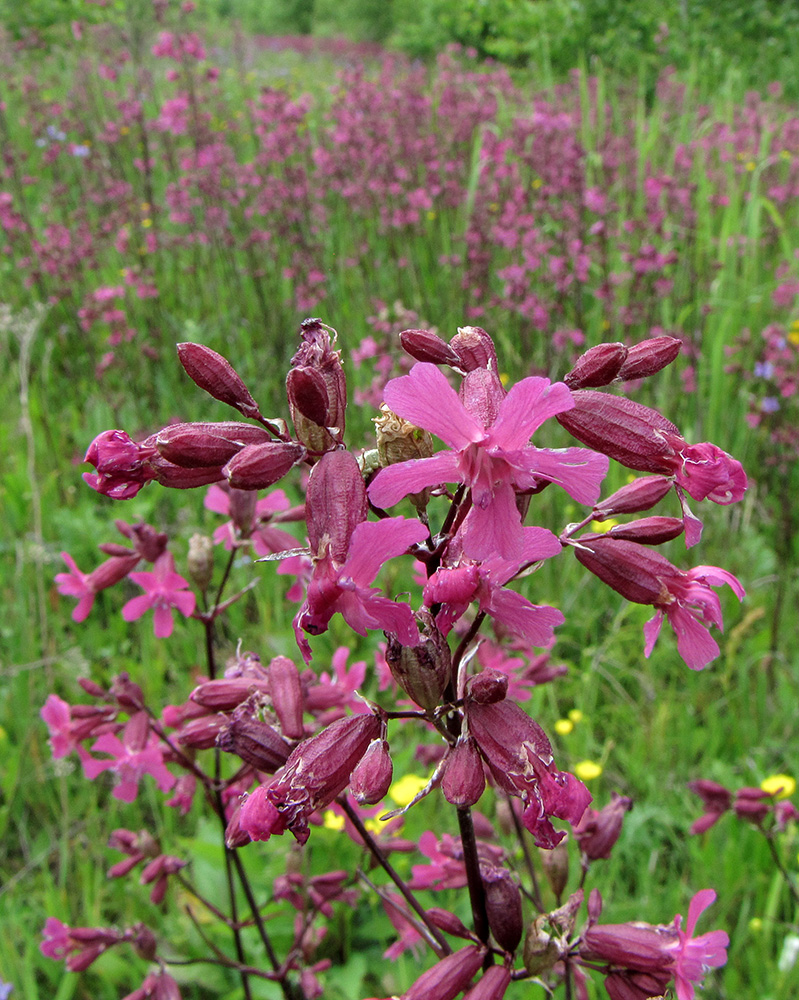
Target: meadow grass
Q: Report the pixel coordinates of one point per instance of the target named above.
(653, 725)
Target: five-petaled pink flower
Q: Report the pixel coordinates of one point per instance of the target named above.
(695, 956)
(136, 754)
(75, 583)
(164, 590)
(487, 432)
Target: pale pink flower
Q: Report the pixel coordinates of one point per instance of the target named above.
(696, 956)
(164, 590)
(487, 433)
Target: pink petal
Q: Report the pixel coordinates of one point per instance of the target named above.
(163, 621)
(394, 482)
(374, 542)
(136, 607)
(217, 500)
(185, 601)
(697, 906)
(425, 398)
(495, 529)
(694, 642)
(716, 577)
(84, 606)
(651, 633)
(528, 404)
(579, 471)
(532, 622)
(393, 617)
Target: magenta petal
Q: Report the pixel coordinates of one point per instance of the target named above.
(394, 482)
(373, 542)
(579, 471)
(217, 500)
(457, 585)
(539, 543)
(163, 622)
(651, 633)
(528, 404)
(531, 622)
(81, 611)
(136, 607)
(716, 577)
(425, 398)
(185, 601)
(694, 642)
(697, 906)
(495, 529)
(388, 615)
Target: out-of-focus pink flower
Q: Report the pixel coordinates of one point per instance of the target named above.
(76, 584)
(164, 590)
(599, 829)
(694, 956)
(136, 754)
(487, 432)
(715, 798)
(80, 946)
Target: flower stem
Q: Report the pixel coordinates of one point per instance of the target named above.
(475, 882)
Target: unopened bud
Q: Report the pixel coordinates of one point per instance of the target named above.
(176, 477)
(210, 371)
(598, 366)
(287, 698)
(335, 503)
(641, 494)
(629, 432)
(475, 349)
(317, 389)
(447, 922)
(541, 951)
(201, 445)
(447, 978)
(649, 530)
(223, 694)
(463, 781)
(424, 345)
(201, 560)
(487, 687)
(422, 671)
(256, 742)
(202, 733)
(370, 780)
(111, 571)
(503, 906)
(649, 357)
(556, 867)
(632, 570)
(598, 830)
(493, 984)
(144, 942)
(260, 465)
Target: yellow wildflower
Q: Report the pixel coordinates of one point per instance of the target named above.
(587, 770)
(404, 789)
(781, 786)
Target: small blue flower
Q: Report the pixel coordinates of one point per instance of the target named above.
(764, 369)
(770, 404)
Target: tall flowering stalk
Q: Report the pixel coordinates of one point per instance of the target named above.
(291, 750)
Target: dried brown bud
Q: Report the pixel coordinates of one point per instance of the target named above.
(556, 867)
(422, 671)
(201, 560)
(541, 950)
(399, 440)
(217, 376)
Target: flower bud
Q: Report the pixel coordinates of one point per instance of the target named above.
(175, 477)
(260, 465)
(122, 465)
(199, 445)
(422, 671)
(649, 357)
(598, 830)
(752, 804)
(287, 697)
(631, 570)
(648, 530)
(200, 560)
(210, 371)
(447, 978)
(475, 349)
(447, 922)
(202, 733)
(111, 571)
(487, 687)
(503, 906)
(492, 985)
(641, 494)
(424, 345)
(223, 694)
(555, 863)
(633, 434)
(540, 948)
(335, 503)
(317, 389)
(598, 366)
(370, 780)
(256, 742)
(463, 781)
(144, 942)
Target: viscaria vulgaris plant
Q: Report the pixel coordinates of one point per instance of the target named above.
(278, 748)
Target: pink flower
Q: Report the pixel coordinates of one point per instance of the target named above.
(136, 754)
(76, 584)
(696, 956)
(164, 590)
(487, 433)
(456, 587)
(265, 538)
(56, 714)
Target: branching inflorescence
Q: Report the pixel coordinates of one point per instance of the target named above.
(308, 746)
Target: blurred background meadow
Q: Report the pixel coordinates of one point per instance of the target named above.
(559, 172)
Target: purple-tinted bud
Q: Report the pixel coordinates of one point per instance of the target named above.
(210, 371)
(642, 494)
(447, 978)
(205, 444)
(623, 985)
(633, 434)
(256, 742)
(126, 693)
(335, 503)
(640, 947)
(649, 357)
(288, 700)
(492, 985)
(463, 781)
(260, 465)
(147, 542)
(752, 804)
(226, 693)
(242, 504)
(555, 863)
(648, 530)
(487, 687)
(503, 906)
(447, 922)
(598, 366)
(175, 477)
(317, 389)
(235, 836)
(423, 345)
(144, 942)
(422, 671)
(202, 733)
(111, 571)
(598, 830)
(475, 349)
(632, 570)
(370, 780)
